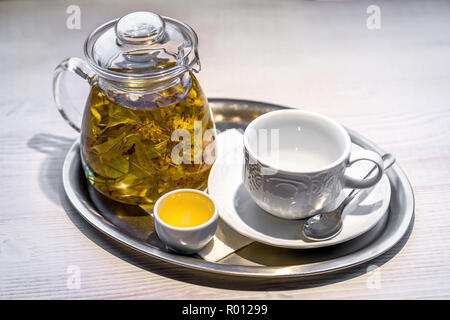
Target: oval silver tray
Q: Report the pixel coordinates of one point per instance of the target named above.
(133, 227)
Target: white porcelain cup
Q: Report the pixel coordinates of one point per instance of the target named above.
(295, 162)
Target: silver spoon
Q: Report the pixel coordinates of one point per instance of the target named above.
(327, 225)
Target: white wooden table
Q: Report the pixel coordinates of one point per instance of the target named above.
(391, 85)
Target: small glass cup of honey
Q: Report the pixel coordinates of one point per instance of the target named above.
(185, 220)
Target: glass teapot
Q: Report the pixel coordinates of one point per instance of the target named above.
(147, 128)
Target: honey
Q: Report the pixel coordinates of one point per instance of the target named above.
(185, 209)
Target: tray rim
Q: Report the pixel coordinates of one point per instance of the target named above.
(360, 256)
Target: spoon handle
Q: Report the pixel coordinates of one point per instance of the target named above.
(388, 160)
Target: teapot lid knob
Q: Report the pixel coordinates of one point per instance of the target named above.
(140, 27)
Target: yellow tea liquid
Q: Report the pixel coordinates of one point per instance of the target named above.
(185, 209)
(126, 142)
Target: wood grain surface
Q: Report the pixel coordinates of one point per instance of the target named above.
(391, 85)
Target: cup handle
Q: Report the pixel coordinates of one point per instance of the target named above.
(78, 67)
(374, 157)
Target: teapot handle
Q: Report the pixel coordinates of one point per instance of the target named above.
(78, 67)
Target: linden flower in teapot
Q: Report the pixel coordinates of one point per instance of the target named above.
(147, 127)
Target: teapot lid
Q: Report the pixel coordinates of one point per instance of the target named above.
(142, 45)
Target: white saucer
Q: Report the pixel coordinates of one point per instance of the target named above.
(240, 212)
